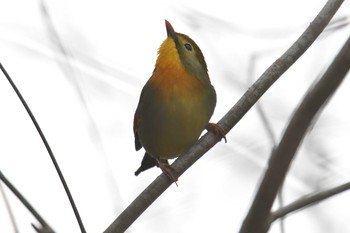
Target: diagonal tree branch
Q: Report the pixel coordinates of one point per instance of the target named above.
(161, 183)
(307, 200)
(258, 217)
(24, 201)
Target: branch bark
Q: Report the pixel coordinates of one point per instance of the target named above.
(307, 200)
(258, 217)
(205, 143)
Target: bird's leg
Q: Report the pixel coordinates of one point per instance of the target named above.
(217, 130)
(168, 170)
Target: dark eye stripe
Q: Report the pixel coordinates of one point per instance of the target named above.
(188, 46)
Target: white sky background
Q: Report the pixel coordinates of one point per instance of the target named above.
(85, 103)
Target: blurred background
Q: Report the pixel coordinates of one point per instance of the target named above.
(81, 66)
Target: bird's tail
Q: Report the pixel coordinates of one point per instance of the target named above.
(147, 163)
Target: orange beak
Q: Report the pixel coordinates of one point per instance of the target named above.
(170, 31)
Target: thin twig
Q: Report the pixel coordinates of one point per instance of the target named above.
(161, 183)
(307, 200)
(25, 202)
(8, 207)
(250, 77)
(48, 148)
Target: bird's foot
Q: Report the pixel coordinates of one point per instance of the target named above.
(169, 171)
(216, 129)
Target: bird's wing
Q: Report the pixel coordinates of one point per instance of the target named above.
(138, 145)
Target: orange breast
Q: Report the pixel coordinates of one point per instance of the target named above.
(170, 75)
(174, 81)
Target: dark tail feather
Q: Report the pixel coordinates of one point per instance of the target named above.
(147, 163)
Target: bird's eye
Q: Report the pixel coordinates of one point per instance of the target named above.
(188, 46)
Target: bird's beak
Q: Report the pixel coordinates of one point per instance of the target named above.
(170, 31)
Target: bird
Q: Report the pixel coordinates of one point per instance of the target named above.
(175, 104)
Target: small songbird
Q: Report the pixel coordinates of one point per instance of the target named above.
(175, 105)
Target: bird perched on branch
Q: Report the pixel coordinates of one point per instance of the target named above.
(175, 105)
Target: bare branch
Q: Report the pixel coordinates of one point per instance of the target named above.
(307, 200)
(258, 217)
(25, 203)
(161, 183)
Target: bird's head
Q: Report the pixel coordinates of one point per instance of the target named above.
(179, 51)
